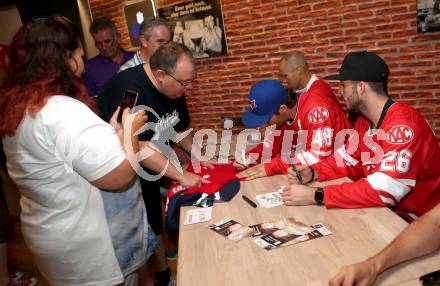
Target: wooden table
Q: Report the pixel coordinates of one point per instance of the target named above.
(207, 258)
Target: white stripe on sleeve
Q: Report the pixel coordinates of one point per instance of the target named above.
(408, 182)
(322, 153)
(307, 157)
(413, 215)
(382, 182)
(387, 200)
(350, 160)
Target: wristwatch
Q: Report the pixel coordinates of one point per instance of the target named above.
(319, 196)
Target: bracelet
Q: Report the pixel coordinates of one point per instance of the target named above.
(313, 176)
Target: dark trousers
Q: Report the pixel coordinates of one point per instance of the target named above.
(5, 220)
(151, 195)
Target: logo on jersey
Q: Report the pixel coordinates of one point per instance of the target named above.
(252, 104)
(178, 189)
(318, 115)
(400, 134)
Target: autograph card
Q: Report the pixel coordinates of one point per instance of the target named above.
(197, 215)
(270, 200)
(287, 231)
(231, 229)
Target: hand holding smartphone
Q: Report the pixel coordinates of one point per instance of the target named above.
(129, 100)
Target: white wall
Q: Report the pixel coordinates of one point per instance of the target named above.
(86, 20)
(421, 4)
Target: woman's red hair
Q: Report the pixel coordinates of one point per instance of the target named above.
(38, 70)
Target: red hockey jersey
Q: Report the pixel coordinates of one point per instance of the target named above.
(218, 177)
(274, 142)
(396, 165)
(318, 120)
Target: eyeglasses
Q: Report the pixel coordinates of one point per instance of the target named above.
(182, 83)
(161, 42)
(105, 42)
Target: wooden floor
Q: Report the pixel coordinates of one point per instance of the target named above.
(20, 259)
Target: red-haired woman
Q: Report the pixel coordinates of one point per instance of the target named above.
(59, 154)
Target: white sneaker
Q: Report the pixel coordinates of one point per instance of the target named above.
(15, 276)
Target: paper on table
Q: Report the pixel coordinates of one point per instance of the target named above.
(231, 229)
(285, 232)
(270, 200)
(197, 215)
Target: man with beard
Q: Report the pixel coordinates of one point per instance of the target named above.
(392, 155)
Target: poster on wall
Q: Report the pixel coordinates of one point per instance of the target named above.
(428, 15)
(198, 25)
(135, 13)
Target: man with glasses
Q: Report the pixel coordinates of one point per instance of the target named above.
(105, 65)
(161, 86)
(154, 32)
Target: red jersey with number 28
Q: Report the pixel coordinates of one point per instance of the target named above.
(319, 117)
(397, 166)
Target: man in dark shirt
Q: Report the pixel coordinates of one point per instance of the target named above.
(160, 85)
(111, 56)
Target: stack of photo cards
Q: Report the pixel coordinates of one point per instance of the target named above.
(197, 215)
(231, 229)
(288, 231)
(270, 200)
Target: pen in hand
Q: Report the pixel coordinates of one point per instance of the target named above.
(249, 201)
(298, 174)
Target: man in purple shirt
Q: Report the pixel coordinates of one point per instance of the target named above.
(111, 56)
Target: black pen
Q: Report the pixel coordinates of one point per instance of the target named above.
(298, 174)
(249, 201)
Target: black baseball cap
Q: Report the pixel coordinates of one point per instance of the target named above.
(362, 66)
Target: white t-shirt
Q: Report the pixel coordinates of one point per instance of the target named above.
(52, 158)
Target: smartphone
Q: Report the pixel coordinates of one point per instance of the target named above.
(129, 100)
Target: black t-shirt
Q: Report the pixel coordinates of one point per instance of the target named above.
(167, 110)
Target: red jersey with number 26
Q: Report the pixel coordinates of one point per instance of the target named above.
(405, 176)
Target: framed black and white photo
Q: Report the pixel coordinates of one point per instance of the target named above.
(198, 25)
(428, 15)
